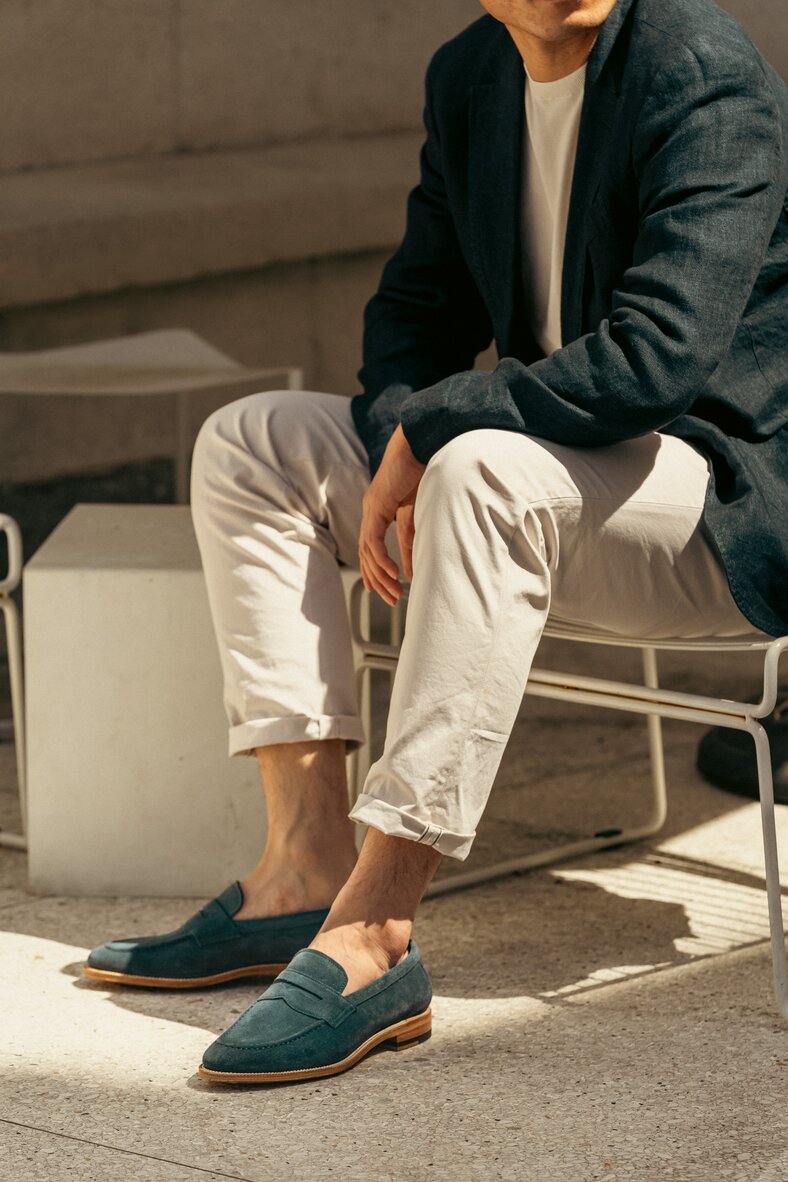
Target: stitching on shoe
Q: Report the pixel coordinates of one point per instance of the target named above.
(264, 1046)
(298, 1070)
(302, 1034)
(383, 985)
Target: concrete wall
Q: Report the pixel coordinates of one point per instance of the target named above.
(142, 182)
(89, 80)
(108, 102)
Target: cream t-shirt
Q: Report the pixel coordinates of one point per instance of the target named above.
(552, 120)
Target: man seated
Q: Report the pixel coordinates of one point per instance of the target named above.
(601, 194)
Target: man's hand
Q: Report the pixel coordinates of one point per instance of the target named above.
(391, 494)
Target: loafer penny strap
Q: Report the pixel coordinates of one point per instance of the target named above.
(307, 996)
(212, 924)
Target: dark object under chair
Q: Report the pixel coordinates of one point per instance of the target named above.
(727, 757)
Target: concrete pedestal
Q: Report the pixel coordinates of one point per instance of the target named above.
(131, 790)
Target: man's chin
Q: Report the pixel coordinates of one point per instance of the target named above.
(561, 15)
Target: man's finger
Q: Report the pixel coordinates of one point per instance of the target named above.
(382, 557)
(404, 537)
(377, 571)
(375, 584)
(373, 535)
(379, 563)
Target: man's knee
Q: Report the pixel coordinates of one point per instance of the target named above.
(491, 462)
(234, 427)
(454, 466)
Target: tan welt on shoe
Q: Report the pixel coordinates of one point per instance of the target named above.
(253, 970)
(398, 1037)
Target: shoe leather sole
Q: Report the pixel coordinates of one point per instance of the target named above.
(398, 1037)
(253, 970)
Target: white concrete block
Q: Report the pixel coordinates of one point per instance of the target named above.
(131, 790)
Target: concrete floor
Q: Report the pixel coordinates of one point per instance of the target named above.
(610, 1018)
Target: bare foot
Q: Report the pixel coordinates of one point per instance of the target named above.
(368, 928)
(364, 951)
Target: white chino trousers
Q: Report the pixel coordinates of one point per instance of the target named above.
(508, 527)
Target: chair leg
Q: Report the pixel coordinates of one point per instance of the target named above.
(14, 639)
(656, 746)
(361, 756)
(771, 863)
(358, 761)
(365, 689)
(604, 838)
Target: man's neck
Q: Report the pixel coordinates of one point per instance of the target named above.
(547, 61)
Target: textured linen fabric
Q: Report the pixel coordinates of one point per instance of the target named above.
(674, 296)
(552, 121)
(508, 528)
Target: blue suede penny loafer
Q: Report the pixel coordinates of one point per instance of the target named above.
(302, 1027)
(207, 949)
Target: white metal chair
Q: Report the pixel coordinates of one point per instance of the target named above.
(14, 641)
(646, 698)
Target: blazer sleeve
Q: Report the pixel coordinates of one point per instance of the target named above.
(709, 158)
(427, 319)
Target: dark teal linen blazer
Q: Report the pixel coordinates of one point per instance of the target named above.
(674, 296)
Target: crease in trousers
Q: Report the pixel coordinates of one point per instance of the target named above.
(508, 528)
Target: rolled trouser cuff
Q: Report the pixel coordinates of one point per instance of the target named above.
(398, 822)
(300, 728)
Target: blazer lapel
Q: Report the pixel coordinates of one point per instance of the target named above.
(496, 125)
(494, 183)
(597, 129)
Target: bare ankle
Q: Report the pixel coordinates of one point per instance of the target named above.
(281, 885)
(384, 940)
(388, 942)
(366, 952)
(329, 857)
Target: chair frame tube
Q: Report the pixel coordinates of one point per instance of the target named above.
(13, 631)
(648, 699)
